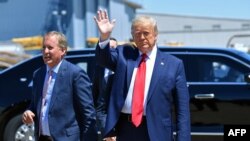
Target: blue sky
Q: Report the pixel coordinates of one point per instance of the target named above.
(239, 9)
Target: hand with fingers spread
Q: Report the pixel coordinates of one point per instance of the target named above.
(28, 117)
(105, 26)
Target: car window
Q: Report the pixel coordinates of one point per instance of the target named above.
(226, 73)
(215, 68)
(84, 62)
(83, 65)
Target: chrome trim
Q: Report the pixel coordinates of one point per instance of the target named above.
(207, 134)
(204, 96)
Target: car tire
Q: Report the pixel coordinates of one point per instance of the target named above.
(17, 130)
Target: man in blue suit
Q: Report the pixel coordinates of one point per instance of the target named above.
(62, 106)
(102, 84)
(164, 85)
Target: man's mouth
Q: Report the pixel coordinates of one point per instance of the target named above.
(47, 58)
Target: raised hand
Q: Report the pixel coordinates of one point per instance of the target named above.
(105, 26)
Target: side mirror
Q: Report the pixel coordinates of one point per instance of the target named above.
(247, 78)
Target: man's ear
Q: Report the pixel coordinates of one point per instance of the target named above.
(156, 36)
(64, 50)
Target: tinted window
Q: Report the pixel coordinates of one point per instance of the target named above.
(215, 68)
(86, 63)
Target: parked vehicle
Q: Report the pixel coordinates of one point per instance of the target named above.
(218, 80)
(219, 87)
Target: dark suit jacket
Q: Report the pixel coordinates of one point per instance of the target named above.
(168, 86)
(101, 93)
(71, 112)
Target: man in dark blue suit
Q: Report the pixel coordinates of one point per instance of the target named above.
(102, 84)
(62, 106)
(144, 114)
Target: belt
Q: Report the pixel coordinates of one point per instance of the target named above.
(128, 117)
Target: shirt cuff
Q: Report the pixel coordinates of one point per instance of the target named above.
(102, 44)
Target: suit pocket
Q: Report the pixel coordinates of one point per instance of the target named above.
(72, 130)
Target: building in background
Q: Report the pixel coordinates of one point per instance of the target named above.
(21, 20)
(72, 17)
(178, 30)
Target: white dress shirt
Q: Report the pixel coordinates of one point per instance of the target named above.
(150, 61)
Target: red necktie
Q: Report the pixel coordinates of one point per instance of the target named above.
(138, 94)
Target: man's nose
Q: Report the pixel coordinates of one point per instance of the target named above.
(142, 36)
(45, 50)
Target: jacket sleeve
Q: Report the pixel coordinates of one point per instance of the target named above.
(85, 106)
(106, 57)
(182, 106)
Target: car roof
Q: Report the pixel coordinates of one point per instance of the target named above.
(229, 51)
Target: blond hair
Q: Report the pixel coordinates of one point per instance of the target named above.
(62, 41)
(144, 20)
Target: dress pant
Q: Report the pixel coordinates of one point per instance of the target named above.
(45, 138)
(126, 130)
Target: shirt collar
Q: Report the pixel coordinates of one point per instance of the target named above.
(151, 54)
(55, 69)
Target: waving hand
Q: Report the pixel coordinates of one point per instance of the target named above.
(105, 26)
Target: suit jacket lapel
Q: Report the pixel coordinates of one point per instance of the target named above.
(59, 78)
(130, 68)
(41, 79)
(159, 64)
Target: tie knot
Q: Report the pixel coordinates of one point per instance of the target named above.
(143, 57)
(50, 72)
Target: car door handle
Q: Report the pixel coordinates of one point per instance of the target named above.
(204, 96)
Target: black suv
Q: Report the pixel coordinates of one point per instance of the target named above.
(218, 80)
